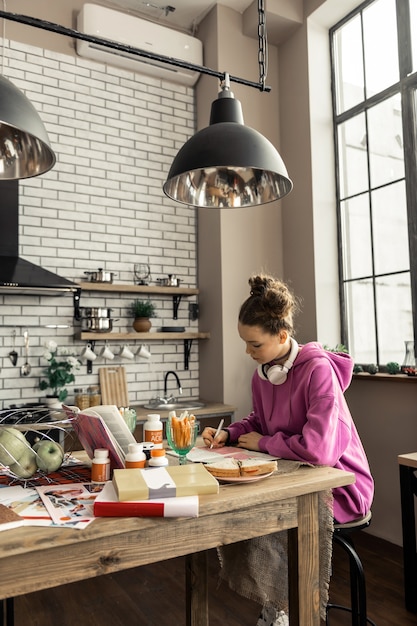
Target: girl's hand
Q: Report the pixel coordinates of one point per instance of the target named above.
(208, 437)
(249, 441)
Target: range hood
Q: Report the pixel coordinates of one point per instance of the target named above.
(16, 274)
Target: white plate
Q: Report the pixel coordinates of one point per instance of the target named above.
(243, 479)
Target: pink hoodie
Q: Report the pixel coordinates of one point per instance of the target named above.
(307, 419)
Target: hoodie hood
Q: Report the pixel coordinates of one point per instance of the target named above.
(16, 274)
(341, 362)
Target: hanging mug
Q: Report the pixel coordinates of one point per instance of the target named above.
(88, 354)
(126, 353)
(106, 353)
(143, 353)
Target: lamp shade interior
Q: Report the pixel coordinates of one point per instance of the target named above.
(25, 150)
(227, 164)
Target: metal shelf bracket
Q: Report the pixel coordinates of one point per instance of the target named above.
(176, 299)
(187, 349)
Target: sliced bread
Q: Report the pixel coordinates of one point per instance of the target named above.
(233, 468)
(226, 468)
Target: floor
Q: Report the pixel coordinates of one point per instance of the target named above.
(153, 595)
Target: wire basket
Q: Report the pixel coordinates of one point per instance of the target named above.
(24, 435)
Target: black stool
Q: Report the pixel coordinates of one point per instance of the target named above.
(7, 612)
(342, 536)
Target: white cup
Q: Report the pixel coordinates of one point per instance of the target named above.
(143, 353)
(106, 353)
(88, 354)
(126, 353)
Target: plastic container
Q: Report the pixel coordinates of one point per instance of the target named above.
(135, 456)
(100, 466)
(152, 430)
(158, 458)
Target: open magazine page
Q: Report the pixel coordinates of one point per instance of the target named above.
(70, 504)
(28, 504)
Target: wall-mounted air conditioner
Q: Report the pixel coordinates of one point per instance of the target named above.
(98, 21)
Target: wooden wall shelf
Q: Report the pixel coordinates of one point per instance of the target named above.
(175, 292)
(149, 289)
(145, 337)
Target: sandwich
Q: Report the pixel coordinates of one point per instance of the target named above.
(235, 468)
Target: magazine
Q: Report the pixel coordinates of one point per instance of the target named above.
(70, 504)
(102, 427)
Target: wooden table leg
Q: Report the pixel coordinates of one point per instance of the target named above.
(303, 564)
(408, 486)
(196, 589)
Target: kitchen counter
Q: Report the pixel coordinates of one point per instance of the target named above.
(208, 415)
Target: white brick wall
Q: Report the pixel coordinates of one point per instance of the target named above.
(115, 134)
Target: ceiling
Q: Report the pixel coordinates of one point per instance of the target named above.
(186, 14)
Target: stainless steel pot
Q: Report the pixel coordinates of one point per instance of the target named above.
(100, 276)
(97, 324)
(171, 281)
(95, 312)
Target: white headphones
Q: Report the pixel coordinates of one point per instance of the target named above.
(277, 374)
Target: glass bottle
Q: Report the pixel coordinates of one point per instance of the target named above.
(409, 364)
(82, 399)
(94, 396)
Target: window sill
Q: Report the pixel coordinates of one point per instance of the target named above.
(403, 378)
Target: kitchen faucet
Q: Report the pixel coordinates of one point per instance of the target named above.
(166, 383)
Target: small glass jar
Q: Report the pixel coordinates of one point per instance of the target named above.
(94, 396)
(82, 398)
(129, 416)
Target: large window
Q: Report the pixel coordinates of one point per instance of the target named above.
(374, 82)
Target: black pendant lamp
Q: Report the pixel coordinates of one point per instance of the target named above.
(25, 150)
(227, 164)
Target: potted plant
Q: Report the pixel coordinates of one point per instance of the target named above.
(59, 372)
(141, 311)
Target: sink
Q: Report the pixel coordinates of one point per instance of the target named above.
(192, 405)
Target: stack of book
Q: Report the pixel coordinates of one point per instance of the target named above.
(158, 492)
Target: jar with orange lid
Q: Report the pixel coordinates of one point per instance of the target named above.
(158, 458)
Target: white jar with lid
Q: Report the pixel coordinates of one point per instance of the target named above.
(135, 456)
(152, 430)
(158, 458)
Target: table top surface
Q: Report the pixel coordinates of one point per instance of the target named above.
(231, 497)
(409, 459)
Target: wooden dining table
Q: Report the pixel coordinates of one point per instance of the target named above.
(35, 558)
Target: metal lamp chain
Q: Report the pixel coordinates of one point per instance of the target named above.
(263, 48)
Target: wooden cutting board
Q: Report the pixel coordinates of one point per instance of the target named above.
(113, 386)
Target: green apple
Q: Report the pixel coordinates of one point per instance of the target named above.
(26, 466)
(49, 455)
(13, 444)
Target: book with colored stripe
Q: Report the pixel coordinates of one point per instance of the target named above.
(102, 427)
(107, 504)
(163, 482)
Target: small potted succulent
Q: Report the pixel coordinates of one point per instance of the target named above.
(141, 311)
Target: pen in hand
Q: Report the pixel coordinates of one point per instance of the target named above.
(219, 427)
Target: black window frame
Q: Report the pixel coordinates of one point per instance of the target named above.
(407, 87)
